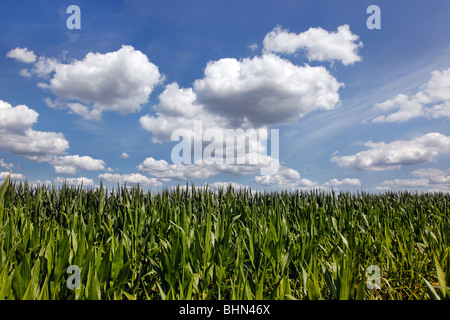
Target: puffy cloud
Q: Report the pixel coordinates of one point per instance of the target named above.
(70, 164)
(22, 54)
(17, 136)
(265, 90)
(249, 93)
(115, 81)
(6, 165)
(43, 67)
(429, 179)
(81, 181)
(156, 172)
(435, 176)
(35, 145)
(406, 183)
(253, 46)
(58, 181)
(408, 108)
(438, 87)
(286, 178)
(162, 170)
(124, 155)
(25, 73)
(14, 176)
(178, 109)
(249, 164)
(319, 44)
(440, 110)
(394, 155)
(16, 119)
(134, 178)
(75, 108)
(382, 189)
(290, 179)
(84, 111)
(344, 182)
(178, 102)
(433, 101)
(226, 185)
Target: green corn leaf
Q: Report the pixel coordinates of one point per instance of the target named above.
(123, 273)
(129, 296)
(92, 290)
(441, 278)
(33, 287)
(2, 195)
(44, 294)
(361, 288)
(431, 290)
(6, 282)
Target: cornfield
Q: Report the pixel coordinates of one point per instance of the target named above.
(195, 243)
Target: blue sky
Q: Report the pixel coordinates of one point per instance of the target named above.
(356, 108)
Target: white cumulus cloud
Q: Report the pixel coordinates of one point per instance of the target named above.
(16, 119)
(70, 164)
(343, 182)
(165, 171)
(394, 155)
(286, 178)
(435, 176)
(18, 137)
(178, 108)
(265, 90)
(81, 181)
(58, 181)
(255, 92)
(133, 178)
(6, 165)
(433, 101)
(14, 176)
(319, 44)
(119, 81)
(225, 185)
(22, 54)
(428, 179)
(250, 93)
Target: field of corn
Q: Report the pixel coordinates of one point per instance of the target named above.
(196, 243)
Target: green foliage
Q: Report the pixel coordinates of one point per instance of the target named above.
(193, 243)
